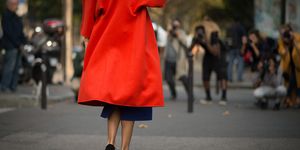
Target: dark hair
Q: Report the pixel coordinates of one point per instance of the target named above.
(257, 34)
(200, 27)
(236, 18)
(272, 57)
(176, 19)
(287, 27)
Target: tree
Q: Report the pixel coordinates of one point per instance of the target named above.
(191, 12)
(40, 9)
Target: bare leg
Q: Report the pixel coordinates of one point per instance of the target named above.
(127, 129)
(113, 125)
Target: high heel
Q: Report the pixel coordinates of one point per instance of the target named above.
(110, 147)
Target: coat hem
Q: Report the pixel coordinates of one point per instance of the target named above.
(101, 103)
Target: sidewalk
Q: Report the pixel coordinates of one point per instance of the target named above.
(26, 96)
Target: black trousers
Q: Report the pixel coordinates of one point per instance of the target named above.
(170, 72)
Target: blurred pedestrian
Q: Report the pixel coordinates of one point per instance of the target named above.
(235, 33)
(13, 40)
(253, 48)
(214, 60)
(267, 84)
(289, 50)
(161, 39)
(175, 58)
(121, 68)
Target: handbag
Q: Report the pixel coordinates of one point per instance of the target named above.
(248, 57)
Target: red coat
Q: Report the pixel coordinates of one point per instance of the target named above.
(121, 64)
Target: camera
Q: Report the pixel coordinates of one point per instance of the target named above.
(214, 38)
(287, 35)
(173, 31)
(199, 35)
(249, 44)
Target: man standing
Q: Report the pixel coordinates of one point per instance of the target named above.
(234, 36)
(13, 39)
(214, 60)
(175, 58)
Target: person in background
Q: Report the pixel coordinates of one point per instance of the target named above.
(217, 63)
(267, 84)
(209, 58)
(253, 49)
(214, 57)
(13, 40)
(175, 57)
(235, 33)
(289, 50)
(221, 67)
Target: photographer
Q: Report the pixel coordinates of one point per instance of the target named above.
(289, 50)
(214, 60)
(252, 49)
(175, 58)
(199, 43)
(267, 84)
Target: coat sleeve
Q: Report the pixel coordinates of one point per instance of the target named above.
(88, 17)
(147, 3)
(152, 3)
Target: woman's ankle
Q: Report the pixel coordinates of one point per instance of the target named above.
(125, 148)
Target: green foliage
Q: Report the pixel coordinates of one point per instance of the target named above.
(77, 7)
(43, 9)
(191, 12)
(242, 10)
(2, 5)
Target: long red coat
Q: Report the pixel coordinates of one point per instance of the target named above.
(121, 64)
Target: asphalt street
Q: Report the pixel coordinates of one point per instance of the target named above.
(237, 126)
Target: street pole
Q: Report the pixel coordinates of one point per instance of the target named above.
(68, 12)
(43, 96)
(190, 83)
(283, 11)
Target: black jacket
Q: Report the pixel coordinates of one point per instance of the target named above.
(12, 26)
(234, 36)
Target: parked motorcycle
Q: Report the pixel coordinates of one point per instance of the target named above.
(45, 46)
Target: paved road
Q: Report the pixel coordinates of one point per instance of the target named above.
(238, 126)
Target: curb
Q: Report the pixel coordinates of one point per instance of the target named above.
(18, 100)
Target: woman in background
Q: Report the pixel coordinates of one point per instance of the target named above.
(253, 49)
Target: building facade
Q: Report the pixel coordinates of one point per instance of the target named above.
(271, 14)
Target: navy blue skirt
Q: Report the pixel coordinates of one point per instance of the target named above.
(128, 113)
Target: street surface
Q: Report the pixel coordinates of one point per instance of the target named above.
(237, 126)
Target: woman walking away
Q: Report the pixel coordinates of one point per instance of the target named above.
(121, 66)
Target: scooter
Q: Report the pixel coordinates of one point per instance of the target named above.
(44, 48)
